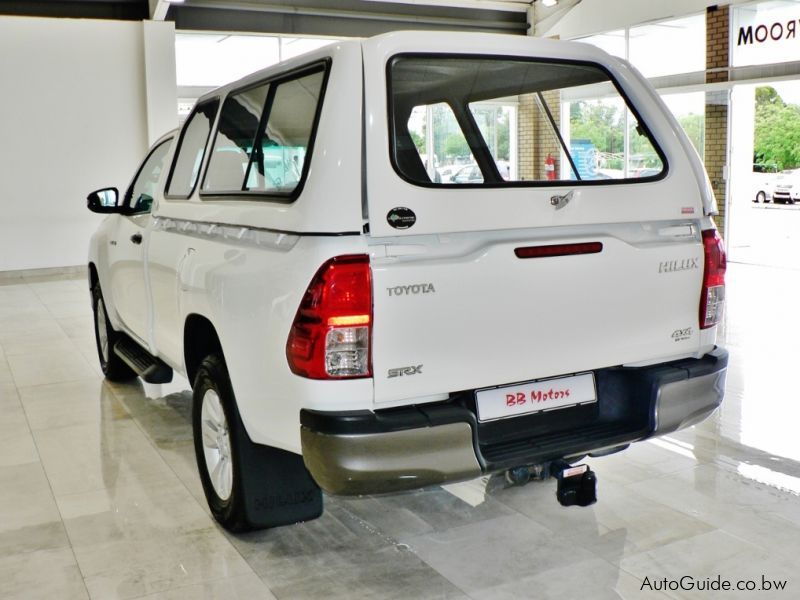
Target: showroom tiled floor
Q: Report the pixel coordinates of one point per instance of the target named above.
(99, 496)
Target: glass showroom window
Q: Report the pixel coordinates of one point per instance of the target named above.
(690, 111)
(645, 45)
(605, 139)
(211, 60)
(435, 127)
(669, 47)
(764, 33)
(442, 147)
(613, 42)
(497, 122)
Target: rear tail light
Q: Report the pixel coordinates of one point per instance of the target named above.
(712, 300)
(332, 331)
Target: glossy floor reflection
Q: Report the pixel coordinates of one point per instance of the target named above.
(99, 495)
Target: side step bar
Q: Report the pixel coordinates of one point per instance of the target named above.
(147, 366)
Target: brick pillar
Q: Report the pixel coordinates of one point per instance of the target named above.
(526, 119)
(546, 140)
(536, 137)
(717, 63)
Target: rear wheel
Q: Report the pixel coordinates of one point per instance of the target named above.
(761, 197)
(114, 368)
(247, 485)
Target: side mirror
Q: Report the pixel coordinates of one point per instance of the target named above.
(103, 201)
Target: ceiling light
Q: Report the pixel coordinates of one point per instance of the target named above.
(549, 2)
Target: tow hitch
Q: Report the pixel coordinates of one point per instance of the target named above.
(577, 486)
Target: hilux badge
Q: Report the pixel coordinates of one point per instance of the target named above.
(671, 266)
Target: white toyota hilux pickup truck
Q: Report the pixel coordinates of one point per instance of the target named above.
(354, 319)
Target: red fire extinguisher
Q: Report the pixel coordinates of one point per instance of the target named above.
(550, 167)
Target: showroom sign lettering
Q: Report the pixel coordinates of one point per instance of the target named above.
(759, 34)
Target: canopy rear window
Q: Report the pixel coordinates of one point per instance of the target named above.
(498, 121)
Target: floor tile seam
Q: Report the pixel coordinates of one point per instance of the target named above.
(41, 385)
(762, 265)
(655, 477)
(57, 428)
(59, 382)
(189, 552)
(53, 497)
(517, 513)
(203, 582)
(183, 484)
(49, 292)
(28, 353)
(522, 514)
(53, 316)
(4, 362)
(622, 569)
(13, 377)
(661, 547)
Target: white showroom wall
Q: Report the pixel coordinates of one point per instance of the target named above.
(78, 110)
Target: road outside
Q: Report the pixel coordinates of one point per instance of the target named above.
(764, 234)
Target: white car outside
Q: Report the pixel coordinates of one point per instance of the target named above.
(786, 188)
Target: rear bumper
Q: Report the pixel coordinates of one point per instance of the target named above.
(365, 452)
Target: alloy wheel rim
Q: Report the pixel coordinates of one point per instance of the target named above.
(216, 445)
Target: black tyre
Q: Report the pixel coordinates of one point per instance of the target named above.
(247, 485)
(114, 368)
(761, 197)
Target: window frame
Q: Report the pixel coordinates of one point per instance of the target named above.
(128, 197)
(215, 131)
(179, 147)
(517, 184)
(274, 81)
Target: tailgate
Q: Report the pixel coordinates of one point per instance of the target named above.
(476, 167)
(466, 312)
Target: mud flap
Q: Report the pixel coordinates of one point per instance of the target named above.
(276, 486)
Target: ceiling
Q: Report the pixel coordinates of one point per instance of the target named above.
(88, 9)
(343, 18)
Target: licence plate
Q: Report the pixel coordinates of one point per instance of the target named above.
(535, 396)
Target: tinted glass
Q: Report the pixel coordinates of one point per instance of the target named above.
(516, 121)
(279, 157)
(143, 190)
(189, 159)
(233, 144)
(439, 144)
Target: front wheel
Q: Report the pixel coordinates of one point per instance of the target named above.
(247, 485)
(113, 367)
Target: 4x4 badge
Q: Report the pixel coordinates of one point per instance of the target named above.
(401, 217)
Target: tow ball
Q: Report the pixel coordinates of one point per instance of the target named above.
(576, 485)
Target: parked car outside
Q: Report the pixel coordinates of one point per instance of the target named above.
(764, 177)
(468, 174)
(787, 188)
